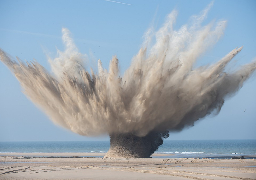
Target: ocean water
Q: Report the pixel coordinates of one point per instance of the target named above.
(178, 148)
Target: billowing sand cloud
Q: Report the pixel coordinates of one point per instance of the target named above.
(161, 91)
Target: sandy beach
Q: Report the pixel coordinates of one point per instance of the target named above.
(93, 166)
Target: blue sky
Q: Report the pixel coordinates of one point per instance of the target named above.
(29, 29)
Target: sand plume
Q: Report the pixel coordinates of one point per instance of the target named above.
(161, 91)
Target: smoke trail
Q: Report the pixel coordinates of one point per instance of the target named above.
(159, 92)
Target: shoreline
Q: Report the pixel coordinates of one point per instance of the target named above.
(67, 154)
(101, 155)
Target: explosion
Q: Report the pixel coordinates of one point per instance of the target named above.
(161, 91)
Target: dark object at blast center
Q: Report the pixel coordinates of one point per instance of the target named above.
(132, 146)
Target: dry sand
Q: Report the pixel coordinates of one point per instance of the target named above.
(92, 166)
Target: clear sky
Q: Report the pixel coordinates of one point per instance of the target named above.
(101, 29)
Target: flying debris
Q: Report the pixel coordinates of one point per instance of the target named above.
(161, 91)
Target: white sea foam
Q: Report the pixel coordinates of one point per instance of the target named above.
(167, 152)
(192, 152)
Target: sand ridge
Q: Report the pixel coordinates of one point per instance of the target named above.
(32, 167)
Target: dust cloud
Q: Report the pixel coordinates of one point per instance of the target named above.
(161, 91)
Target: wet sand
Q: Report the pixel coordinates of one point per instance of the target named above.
(92, 166)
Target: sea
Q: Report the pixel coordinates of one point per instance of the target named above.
(172, 148)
